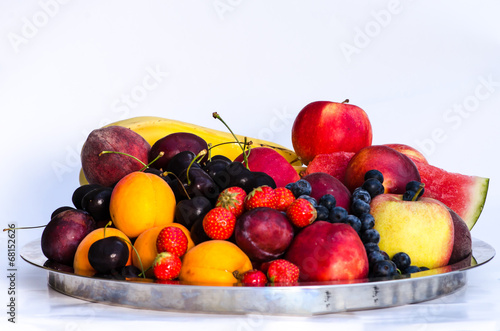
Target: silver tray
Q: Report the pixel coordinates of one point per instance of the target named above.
(302, 299)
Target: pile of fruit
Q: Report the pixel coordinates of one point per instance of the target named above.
(171, 202)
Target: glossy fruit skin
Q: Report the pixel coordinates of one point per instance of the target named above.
(63, 234)
(262, 196)
(337, 215)
(385, 268)
(322, 183)
(108, 254)
(172, 239)
(219, 223)
(327, 252)
(60, 209)
(80, 192)
(284, 198)
(197, 182)
(254, 278)
(402, 260)
(323, 127)
(281, 271)
(188, 211)
(179, 162)
(263, 233)
(96, 203)
(173, 144)
(140, 201)
(301, 213)
(167, 266)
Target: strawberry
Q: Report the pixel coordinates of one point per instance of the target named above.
(285, 198)
(262, 196)
(282, 271)
(172, 239)
(254, 278)
(301, 213)
(233, 199)
(219, 223)
(166, 266)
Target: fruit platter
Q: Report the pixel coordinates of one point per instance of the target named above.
(173, 216)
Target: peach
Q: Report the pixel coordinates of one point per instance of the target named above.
(107, 169)
(397, 168)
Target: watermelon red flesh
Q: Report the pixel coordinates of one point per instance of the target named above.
(464, 194)
(334, 164)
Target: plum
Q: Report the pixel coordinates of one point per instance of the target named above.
(323, 183)
(63, 234)
(107, 169)
(173, 144)
(263, 234)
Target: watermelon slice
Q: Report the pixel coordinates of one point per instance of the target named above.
(464, 194)
(333, 164)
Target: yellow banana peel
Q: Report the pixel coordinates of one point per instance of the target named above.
(153, 128)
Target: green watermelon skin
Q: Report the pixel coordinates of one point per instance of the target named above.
(466, 195)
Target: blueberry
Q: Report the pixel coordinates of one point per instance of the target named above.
(374, 173)
(353, 221)
(373, 186)
(337, 215)
(361, 194)
(384, 269)
(328, 201)
(367, 221)
(408, 195)
(414, 186)
(301, 187)
(322, 213)
(290, 186)
(402, 260)
(370, 236)
(371, 247)
(423, 268)
(411, 270)
(375, 256)
(386, 256)
(359, 207)
(310, 199)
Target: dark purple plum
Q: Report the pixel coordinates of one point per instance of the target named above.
(173, 144)
(60, 209)
(263, 234)
(63, 234)
(51, 264)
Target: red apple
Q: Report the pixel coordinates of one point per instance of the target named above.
(409, 151)
(397, 168)
(328, 252)
(324, 127)
(323, 183)
(423, 229)
(267, 160)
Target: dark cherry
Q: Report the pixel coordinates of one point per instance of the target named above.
(107, 254)
(188, 211)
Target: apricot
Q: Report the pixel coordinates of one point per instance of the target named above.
(81, 263)
(214, 262)
(141, 201)
(145, 246)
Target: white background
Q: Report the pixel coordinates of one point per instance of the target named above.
(67, 67)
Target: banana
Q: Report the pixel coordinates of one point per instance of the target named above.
(153, 128)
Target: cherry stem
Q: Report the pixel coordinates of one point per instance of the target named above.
(199, 156)
(217, 116)
(179, 181)
(420, 188)
(143, 273)
(105, 227)
(345, 101)
(25, 227)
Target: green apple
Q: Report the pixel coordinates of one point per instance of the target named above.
(423, 229)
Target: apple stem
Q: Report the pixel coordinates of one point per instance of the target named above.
(345, 101)
(420, 188)
(217, 116)
(25, 228)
